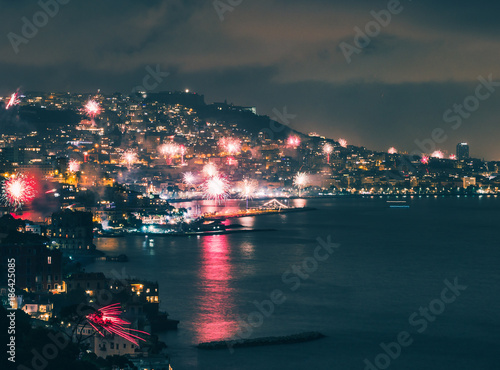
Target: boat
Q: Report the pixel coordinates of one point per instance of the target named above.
(119, 258)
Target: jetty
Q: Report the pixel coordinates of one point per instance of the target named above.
(270, 208)
(263, 341)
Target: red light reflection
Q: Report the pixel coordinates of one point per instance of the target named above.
(216, 318)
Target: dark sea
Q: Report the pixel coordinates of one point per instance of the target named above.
(385, 279)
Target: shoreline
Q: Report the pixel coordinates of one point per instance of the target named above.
(346, 196)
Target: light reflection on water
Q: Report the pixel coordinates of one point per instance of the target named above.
(215, 320)
(386, 268)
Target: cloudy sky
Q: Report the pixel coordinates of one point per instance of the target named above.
(272, 54)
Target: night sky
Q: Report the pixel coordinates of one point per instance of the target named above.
(272, 54)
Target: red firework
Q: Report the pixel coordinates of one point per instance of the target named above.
(92, 108)
(107, 319)
(293, 141)
(18, 190)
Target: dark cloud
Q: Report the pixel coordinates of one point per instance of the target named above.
(278, 53)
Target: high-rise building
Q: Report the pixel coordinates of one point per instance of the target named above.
(462, 151)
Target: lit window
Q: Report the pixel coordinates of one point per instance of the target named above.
(49, 260)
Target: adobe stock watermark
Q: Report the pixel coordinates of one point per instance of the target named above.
(60, 340)
(372, 29)
(456, 115)
(223, 6)
(459, 112)
(30, 28)
(420, 321)
(293, 278)
(278, 122)
(152, 79)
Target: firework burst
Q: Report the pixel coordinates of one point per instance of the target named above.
(129, 158)
(210, 170)
(424, 159)
(216, 188)
(248, 189)
(169, 150)
(18, 190)
(230, 145)
(107, 319)
(343, 143)
(74, 166)
(182, 152)
(392, 151)
(328, 149)
(453, 157)
(188, 178)
(92, 108)
(438, 154)
(300, 180)
(293, 141)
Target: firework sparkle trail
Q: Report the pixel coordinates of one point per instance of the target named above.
(328, 149)
(13, 100)
(107, 319)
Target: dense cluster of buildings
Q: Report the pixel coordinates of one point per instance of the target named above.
(96, 146)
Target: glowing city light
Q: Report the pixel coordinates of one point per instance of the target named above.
(18, 190)
(107, 319)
